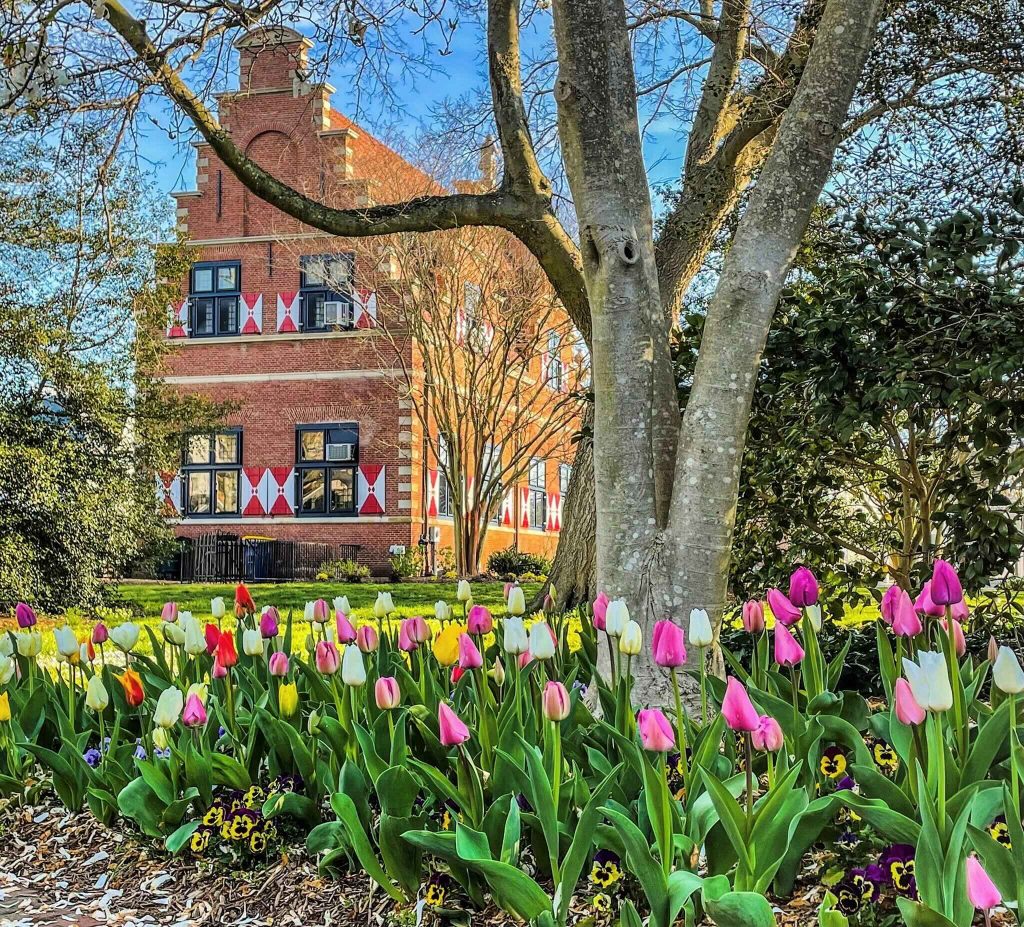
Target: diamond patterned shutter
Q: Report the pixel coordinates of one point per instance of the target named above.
(524, 506)
(370, 489)
(288, 305)
(433, 492)
(252, 313)
(177, 327)
(280, 491)
(365, 308)
(253, 496)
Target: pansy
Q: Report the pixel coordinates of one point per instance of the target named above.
(92, 756)
(239, 824)
(438, 886)
(199, 842)
(885, 756)
(861, 886)
(602, 903)
(606, 870)
(676, 770)
(254, 797)
(261, 835)
(999, 832)
(897, 863)
(833, 762)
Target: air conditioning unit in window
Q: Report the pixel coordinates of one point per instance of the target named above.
(337, 313)
(341, 452)
(435, 534)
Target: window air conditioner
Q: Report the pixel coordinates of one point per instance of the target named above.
(340, 451)
(435, 534)
(336, 313)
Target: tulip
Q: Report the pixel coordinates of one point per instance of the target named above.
(457, 673)
(631, 642)
(516, 601)
(217, 607)
(67, 642)
(453, 731)
(200, 690)
(252, 643)
(505, 590)
(419, 630)
(463, 592)
(1007, 675)
(785, 612)
(446, 644)
(542, 641)
(788, 651)
(307, 611)
(125, 636)
(803, 588)
(469, 656)
(174, 634)
(227, 656)
(768, 735)
(479, 620)
(514, 639)
(946, 588)
(406, 643)
(959, 640)
(925, 603)
(29, 643)
(384, 605)
(278, 664)
(387, 693)
(737, 709)
(194, 714)
(701, 633)
(169, 612)
(981, 890)
(341, 605)
(367, 639)
(497, 672)
(195, 642)
(993, 648)
(353, 672)
(219, 670)
(6, 644)
(26, 615)
(320, 612)
(555, 701)
(656, 733)
(100, 635)
(907, 708)
(905, 621)
(96, 696)
(86, 652)
(270, 622)
(327, 658)
(889, 601)
(161, 739)
(753, 617)
(929, 681)
(168, 707)
(959, 610)
(813, 615)
(524, 659)
(616, 617)
(601, 611)
(131, 682)
(288, 699)
(244, 605)
(7, 670)
(346, 633)
(5, 708)
(668, 645)
(442, 611)
(212, 634)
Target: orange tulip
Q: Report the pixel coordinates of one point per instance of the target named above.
(131, 682)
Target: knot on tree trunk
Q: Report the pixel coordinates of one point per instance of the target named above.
(614, 242)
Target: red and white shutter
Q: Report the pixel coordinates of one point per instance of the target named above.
(370, 489)
(558, 511)
(168, 492)
(252, 312)
(433, 492)
(524, 500)
(280, 491)
(554, 521)
(177, 326)
(460, 326)
(253, 494)
(506, 510)
(288, 312)
(365, 308)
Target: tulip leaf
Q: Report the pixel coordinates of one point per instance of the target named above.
(997, 860)
(874, 785)
(197, 771)
(511, 833)
(989, 741)
(330, 835)
(140, 803)
(916, 914)
(628, 916)
(640, 862)
(397, 789)
(682, 885)
(226, 770)
(731, 819)
(402, 860)
(375, 766)
(292, 804)
(828, 915)
(346, 811)
(880, 816)
(180, 837)
(739, 909)
(157, 779)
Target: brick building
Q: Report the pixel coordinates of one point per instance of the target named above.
(320, 445)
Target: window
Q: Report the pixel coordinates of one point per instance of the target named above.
(211, 473)
(325, 283)
(538, 506)
(491, 474)
(564, 475)
(556, 369)
(445, 503)
(325, 468)
(214, 289)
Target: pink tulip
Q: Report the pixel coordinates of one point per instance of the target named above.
(100, 634)
(320, 611)
(405, 642)
(469, 655)
(889, 602)
(600, 610)
(419, 630)
(768, 735)
(25, 614)
(453, 731)
(555, 701)
(906, 622)
(169, 612)
(785, 612)
(753, 617)
(668, 645)
(506, 589)
(958, 637)
(981, 890)
(367, 639)
(788, 651)
(524, 659)
(278, 663)
(946, 588)
(656, 733)
(960, 611)
(327, 658)
(803, 588)
(219, 669)
(737, 709)
(269, 623)
(479, 620)
(387, 693)
(907, 708)
(194, 714)
(346, 633)
(993, 649)
(925, 603)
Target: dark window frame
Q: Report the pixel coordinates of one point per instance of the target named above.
(215, 295)
(445, 505)
(212, 469)
(326, 468)
(538, 501)
(312, 291)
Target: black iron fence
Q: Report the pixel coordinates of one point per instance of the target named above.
(212, 558)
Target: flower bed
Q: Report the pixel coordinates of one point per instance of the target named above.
(469, 760)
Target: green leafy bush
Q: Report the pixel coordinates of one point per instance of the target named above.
(512, 562)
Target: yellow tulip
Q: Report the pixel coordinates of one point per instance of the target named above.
(288, 699)
(5, 708)
(446, 644)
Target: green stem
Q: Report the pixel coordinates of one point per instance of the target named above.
(1014, 744)
(703, 689)
(556, 763)
(666, 848)
(681, 728)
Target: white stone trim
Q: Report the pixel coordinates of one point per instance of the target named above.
(283, 376)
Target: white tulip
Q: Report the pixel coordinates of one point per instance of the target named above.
(463, 592)
(67, 642)
(168, 707)
(29, 643)
(174, 634)
(341, 604)
(7, 668)
(199, 689)
(83, 653)
(929, 680)
(125, 636)
(195, 641)
(184, 618)
(384, 605)
(442, 610)
(217, 607)
(632, 640)
(515, 639)
(516, 601)
(353, 672)
(1007, 673)
(252, 643)
(813, 612)
(307, 611)
(6, 645)
(96, 696)
(700, 633)
(616, 618)
(542, 641)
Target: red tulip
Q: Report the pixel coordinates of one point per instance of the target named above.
(131, 682)
(226, 653)
(244, 605)
(212, 633)
(457, 673)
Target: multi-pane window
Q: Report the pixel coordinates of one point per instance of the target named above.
(564, 475)
(538, 503)
(445, 503)
(212, 473)
(325, 284)
(489, 480)
(556, 369)
(214, 290)
(325, 467)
